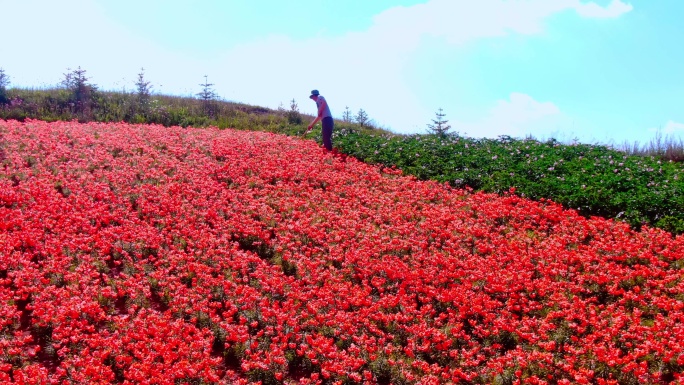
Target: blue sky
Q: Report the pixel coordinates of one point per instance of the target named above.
(606, 71)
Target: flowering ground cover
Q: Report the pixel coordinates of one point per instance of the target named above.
(138, 254)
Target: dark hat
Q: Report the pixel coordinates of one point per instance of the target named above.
(314, 93)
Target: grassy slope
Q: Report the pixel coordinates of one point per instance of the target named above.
(595, 180)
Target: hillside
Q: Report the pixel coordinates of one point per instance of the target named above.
(132, 253)
(642, 185)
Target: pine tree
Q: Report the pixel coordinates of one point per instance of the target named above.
(293, 115)
(144, 92)
(207, 96)
(81, 92)
(439, 126)
(362, 118)
(207, 92)
(4, 82)
(347, 115)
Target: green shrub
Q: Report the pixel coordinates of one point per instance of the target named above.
(593, 179)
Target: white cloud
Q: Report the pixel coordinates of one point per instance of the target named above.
(523, 108)
(459, 21)
(350, 71)
(615, 9)
(518, 116)
(671, 127)
(366, 69)
(111, 54)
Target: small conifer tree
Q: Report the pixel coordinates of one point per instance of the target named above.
(439, 126)
(81, 93)
(362, 118)
(4, 82)
(347, 115)
(207, 96)
(144, 92)
(293, 115)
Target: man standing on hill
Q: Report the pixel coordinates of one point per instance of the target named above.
(325, 117)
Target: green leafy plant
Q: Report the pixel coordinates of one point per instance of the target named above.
(595, 180)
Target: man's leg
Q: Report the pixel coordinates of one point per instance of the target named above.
(327, 133)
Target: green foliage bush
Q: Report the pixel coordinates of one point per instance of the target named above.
(593, 179)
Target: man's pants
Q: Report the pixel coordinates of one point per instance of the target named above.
(326, 131)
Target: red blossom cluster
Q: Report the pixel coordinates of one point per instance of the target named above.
(138, 254)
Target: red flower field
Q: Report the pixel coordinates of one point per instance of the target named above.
(152, 255)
